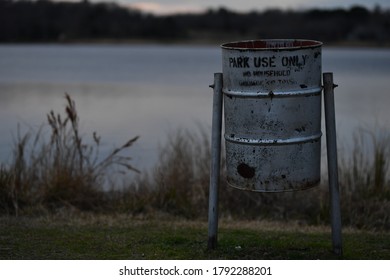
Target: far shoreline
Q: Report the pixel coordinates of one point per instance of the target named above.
(186, 42)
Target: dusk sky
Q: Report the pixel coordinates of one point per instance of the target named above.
(174, 6)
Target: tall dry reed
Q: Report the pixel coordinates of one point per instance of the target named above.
(62, 171)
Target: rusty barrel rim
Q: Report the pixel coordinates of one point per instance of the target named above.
(272, 44)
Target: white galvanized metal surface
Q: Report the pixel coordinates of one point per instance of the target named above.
(272, 105)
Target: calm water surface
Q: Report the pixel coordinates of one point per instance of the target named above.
(152, 90)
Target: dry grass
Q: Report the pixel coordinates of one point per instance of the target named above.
(63, 171)
(364, 180)
(65, 174)
(179, 185)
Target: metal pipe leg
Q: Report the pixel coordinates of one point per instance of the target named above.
(332, 162)
(215, 161)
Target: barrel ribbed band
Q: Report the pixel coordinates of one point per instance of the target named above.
(265, 142)
(272, 94)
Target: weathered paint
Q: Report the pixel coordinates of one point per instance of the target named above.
(272, 104)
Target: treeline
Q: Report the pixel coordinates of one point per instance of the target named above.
(45, 21)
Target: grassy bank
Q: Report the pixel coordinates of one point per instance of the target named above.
(64, 173)
(125, 237)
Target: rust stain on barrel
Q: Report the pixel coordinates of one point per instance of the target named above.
(246, 171)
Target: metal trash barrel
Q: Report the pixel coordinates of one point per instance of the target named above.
(272, 113)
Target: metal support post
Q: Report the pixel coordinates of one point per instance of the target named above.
(330, 124)
(215, 161)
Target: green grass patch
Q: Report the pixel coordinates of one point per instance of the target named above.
(122, 237)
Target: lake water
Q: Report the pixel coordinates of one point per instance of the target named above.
(152, 90)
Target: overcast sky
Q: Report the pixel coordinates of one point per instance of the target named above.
(173, 6)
